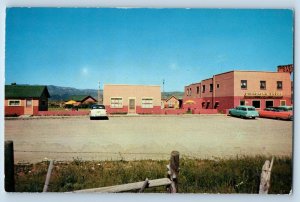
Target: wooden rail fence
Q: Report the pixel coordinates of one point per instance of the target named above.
(171, 181)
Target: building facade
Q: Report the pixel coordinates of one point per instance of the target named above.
(171, 103)
(230, 89)
(132, 99)
(25, 99)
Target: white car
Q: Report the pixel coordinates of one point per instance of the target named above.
(98, 111)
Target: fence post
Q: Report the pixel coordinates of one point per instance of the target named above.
(265, 177)
(173, 170)
(48, 176)
(9, 170)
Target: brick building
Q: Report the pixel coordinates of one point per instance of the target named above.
(230, 89)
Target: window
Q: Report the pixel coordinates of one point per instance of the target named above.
(218, 85)
(14, 103)
(243, 84)
(198, 89)
(116, 102)
(203, 89)
(242, 102)
(256, 103)
(28, 103)
(147, 103)
(279, 85)
(171, 104)
(282, 102)
(269, 103)
(262, 85)
(211, 86)
(187, 92)
(190, 91)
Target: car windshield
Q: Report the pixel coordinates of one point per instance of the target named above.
(98, 107)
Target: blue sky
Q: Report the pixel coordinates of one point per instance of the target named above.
(79, 47)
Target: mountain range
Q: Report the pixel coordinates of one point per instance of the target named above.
(59, 93)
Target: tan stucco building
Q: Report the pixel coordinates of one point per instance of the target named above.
(134, 99)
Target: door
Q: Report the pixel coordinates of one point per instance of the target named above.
(28, 107)
(131, 106)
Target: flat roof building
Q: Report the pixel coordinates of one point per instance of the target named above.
(230, 89)
(132, 99)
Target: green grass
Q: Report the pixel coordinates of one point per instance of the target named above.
(239, 175)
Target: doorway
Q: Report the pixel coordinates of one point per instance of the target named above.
(131, 106)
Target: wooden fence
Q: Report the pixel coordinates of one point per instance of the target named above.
(171, 181)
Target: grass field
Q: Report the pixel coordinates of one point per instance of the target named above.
(236, 175)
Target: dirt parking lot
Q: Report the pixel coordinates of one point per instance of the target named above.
(142, 137)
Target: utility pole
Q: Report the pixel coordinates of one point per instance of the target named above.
(99, 92)
(164, 86)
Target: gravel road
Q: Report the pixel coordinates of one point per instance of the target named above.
(147, 137)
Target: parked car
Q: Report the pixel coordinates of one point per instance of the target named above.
(281, 112)
(98, 111)
(244, 112)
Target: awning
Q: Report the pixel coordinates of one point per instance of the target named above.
(70, 102)
(189, 102)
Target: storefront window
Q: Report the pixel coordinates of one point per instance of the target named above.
(282, 102)
(256, 103)
(242, 102)
(243, 84)
(269, 103)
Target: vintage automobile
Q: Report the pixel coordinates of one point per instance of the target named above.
(98, 111)
(244, 112)
(281, 112)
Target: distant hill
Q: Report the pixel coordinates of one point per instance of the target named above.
(59, 93)
(177, 94)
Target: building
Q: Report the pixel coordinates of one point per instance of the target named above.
(171, 102)
(230, 89)
(81, 100)
(132, 99)
(25, 99)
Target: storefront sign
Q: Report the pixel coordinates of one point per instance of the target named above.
(264, 94)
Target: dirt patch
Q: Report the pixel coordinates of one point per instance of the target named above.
(131, 138)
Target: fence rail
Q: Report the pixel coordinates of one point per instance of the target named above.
(171, 182)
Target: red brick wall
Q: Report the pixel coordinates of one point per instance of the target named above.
(63, 113)
(35, 110)
(154, 110)
(197, 104)
(18, 110)
(110, 110)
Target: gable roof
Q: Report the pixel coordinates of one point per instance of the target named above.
(25, 91)
(80, 98)
(171, 97)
